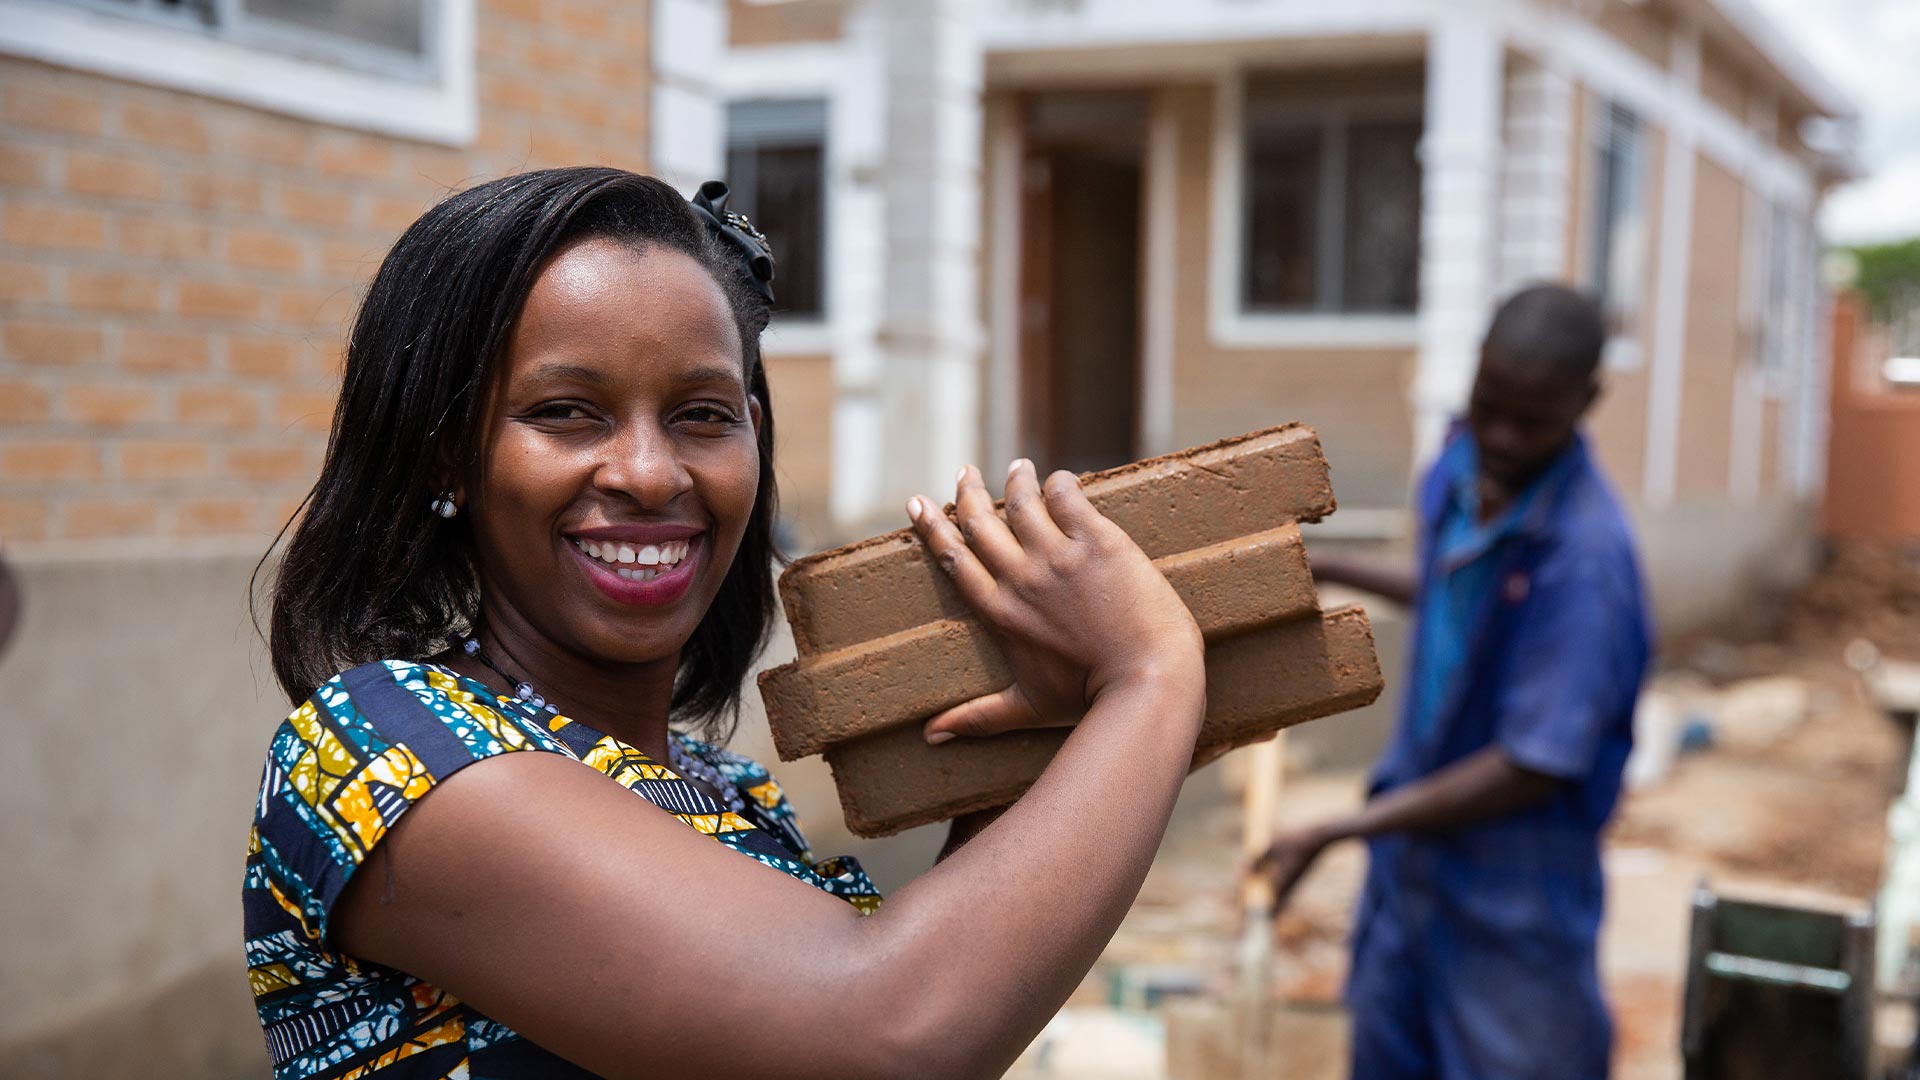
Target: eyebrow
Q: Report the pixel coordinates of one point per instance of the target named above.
(598, 377)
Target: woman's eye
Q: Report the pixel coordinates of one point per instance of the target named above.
(708, 414)
(558, 410)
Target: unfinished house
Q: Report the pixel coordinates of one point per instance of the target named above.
(1090, 230)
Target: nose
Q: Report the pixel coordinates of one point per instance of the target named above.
(643, 464)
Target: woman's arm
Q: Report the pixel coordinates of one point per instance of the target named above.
(608, 932)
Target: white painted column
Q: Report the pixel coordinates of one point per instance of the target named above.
(1460, 163)
(689, 44)
(1162, 266)
(1537, 180)
(930, 335)
(856, 222)
(1672, 273)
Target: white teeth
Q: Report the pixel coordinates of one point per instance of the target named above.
(647, 560)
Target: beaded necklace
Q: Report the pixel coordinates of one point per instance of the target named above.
(678, 757)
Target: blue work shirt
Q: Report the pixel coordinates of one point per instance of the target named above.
(1474, 951)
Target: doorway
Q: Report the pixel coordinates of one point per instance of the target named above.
(1081, 213)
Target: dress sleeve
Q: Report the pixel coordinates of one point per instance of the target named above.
(1580, 652)
(350, 760)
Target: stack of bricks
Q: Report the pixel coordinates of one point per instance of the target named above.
(885, 641)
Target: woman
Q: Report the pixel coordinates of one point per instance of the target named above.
(544, 523)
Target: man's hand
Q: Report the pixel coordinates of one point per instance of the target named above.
(1287, 860)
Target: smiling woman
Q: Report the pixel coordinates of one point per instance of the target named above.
(545, 524)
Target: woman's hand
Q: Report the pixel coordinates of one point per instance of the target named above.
(1074, 602)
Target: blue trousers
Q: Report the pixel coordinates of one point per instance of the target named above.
(1436, 993)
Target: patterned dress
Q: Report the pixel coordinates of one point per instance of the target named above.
(341, 771)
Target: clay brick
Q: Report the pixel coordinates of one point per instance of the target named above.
(156, 350)
(213, 517)
(218, 406)
(222, 192)
(49, 225)
(51, 344)
(885, 642)
(165, 238)
(266, 249)
(1256, 684)
(219, 300)
(305, 411)
(275, 144)
(162, 460)
(1246, 485)
(115, 177)
(48, 110)
(113, 291)
(174, 129)
(100, 520)
(22, 520)
(315, 206)
(23, 166)
(268, 358)
(268, 463)
(110, 404)
(23, 283)
(23, 402)
(394, 215)
(49, 460)
(326, 308)
(355, 158)
(902, 679)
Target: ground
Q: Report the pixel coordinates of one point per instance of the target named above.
(1793, 792)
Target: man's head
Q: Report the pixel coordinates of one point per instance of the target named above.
(1537, 379)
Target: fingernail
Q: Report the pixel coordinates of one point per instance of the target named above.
(915, 508)
(961, 476)
(1014, 467)
(938, 737)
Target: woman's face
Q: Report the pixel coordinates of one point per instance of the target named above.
(620, 462)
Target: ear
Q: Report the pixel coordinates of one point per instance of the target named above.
(753, 414)
(1590, 396)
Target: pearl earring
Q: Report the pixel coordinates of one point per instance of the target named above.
(445, 506)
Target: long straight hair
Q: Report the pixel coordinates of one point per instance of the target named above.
(370, 571)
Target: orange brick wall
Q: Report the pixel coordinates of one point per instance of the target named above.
(176, 272)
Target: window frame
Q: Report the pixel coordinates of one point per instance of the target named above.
(254, 61)
(1231, 324)
(793, 331)
(1625, 349)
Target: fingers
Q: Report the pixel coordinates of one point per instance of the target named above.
(1006, 710)
(950, 551)
(1027, 509)
(1069, 508)
(985, 533)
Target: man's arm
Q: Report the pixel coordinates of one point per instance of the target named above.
(1392, 581)
(1483, 785)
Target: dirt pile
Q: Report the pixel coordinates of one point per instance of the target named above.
(1865, 590)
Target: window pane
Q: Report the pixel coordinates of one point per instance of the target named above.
(1382, 270)
(1620, 231)
(389, 24)
(1283, 212)
(780, 188)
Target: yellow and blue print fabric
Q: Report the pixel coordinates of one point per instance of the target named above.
(342, 769)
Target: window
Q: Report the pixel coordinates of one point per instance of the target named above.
(776, 167)
(1618, 239)
(387, 37)
(1332, 209)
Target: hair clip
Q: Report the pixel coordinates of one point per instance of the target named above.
(738, 233)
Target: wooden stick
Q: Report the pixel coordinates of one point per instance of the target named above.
(1264, 765)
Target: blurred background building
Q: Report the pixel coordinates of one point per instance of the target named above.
(1080, 230)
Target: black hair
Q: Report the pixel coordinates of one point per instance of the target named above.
(371, 572)
(1549, 329)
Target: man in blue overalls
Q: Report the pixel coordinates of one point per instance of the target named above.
(1474, 947)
